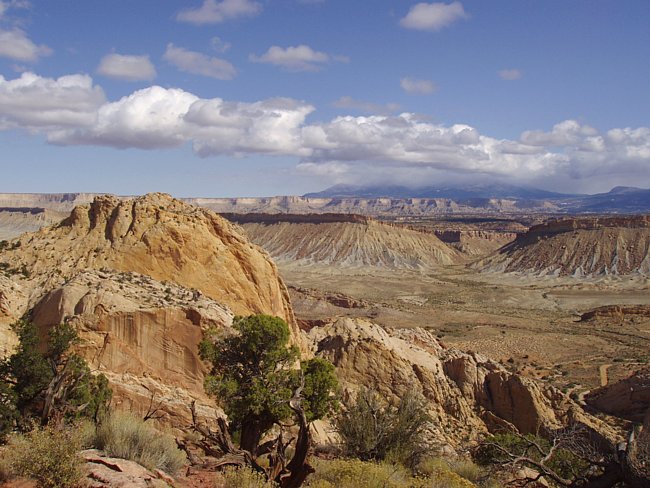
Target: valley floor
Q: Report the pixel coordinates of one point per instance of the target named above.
(532, 325)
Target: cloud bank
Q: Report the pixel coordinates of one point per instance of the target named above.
(71, 110)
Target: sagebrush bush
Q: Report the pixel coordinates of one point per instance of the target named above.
(371, 429)
(245, 478)
(47, 455)
(468, 470)
(126, 436)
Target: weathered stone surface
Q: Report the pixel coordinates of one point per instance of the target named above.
(105, 471)
(628, 398)
(468, 394)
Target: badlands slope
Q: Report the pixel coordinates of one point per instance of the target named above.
(16, 221)
(345, 241)
(579, 247)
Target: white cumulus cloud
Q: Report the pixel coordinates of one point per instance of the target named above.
(413, 86)
(127, 67)
(15, 44)
(294, 58)
(71, 110)
(433, 16)
(199, 64)
(214, 12)
(35, 103)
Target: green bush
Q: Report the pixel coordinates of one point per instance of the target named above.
(126, 436)
(47, 455)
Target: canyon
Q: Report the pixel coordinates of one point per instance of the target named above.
(489, 318)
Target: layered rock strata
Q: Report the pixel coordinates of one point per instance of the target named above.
(578, 247)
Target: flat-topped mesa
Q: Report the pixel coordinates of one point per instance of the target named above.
(158, 236)
(264, 218)
(580, 247)
(349, 243)
(557, 226)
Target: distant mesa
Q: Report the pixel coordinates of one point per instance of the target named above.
(346, 241)
(392, 201)
(586, 246)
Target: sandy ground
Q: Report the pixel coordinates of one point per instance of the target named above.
(530, 324)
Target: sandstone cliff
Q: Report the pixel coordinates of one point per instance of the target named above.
(158, 236)
(468, 394)
(579, 247)
(141, 280)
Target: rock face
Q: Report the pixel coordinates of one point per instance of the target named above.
(163, 238)
(618, 314)
(579, 247)
(468, 394)
(628, 399)
(141, 280)
(350, 244)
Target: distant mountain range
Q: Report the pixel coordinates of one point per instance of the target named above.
(464, 192)
(620, 199)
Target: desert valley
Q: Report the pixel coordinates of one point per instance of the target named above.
(498, 317)
(324, 244)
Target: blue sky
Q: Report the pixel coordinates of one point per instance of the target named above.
(268, 97)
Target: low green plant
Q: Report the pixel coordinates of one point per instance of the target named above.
(126, 436)
(48, 455)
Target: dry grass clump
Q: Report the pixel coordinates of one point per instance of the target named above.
(353, 473)
(245, 478)
(126, 436)
(48, 455)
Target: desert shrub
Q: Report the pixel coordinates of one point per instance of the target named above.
(438, 473)
(47, 455)
(563, 461)
(354, 473)
(467, 469)
(372, 429)
(245, 478)
(126, 436)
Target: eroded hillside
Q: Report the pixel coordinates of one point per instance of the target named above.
(347, 241)
(578, 247)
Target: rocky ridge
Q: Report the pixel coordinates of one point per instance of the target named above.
(141, 280)
(468, 394)
(578, 247)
